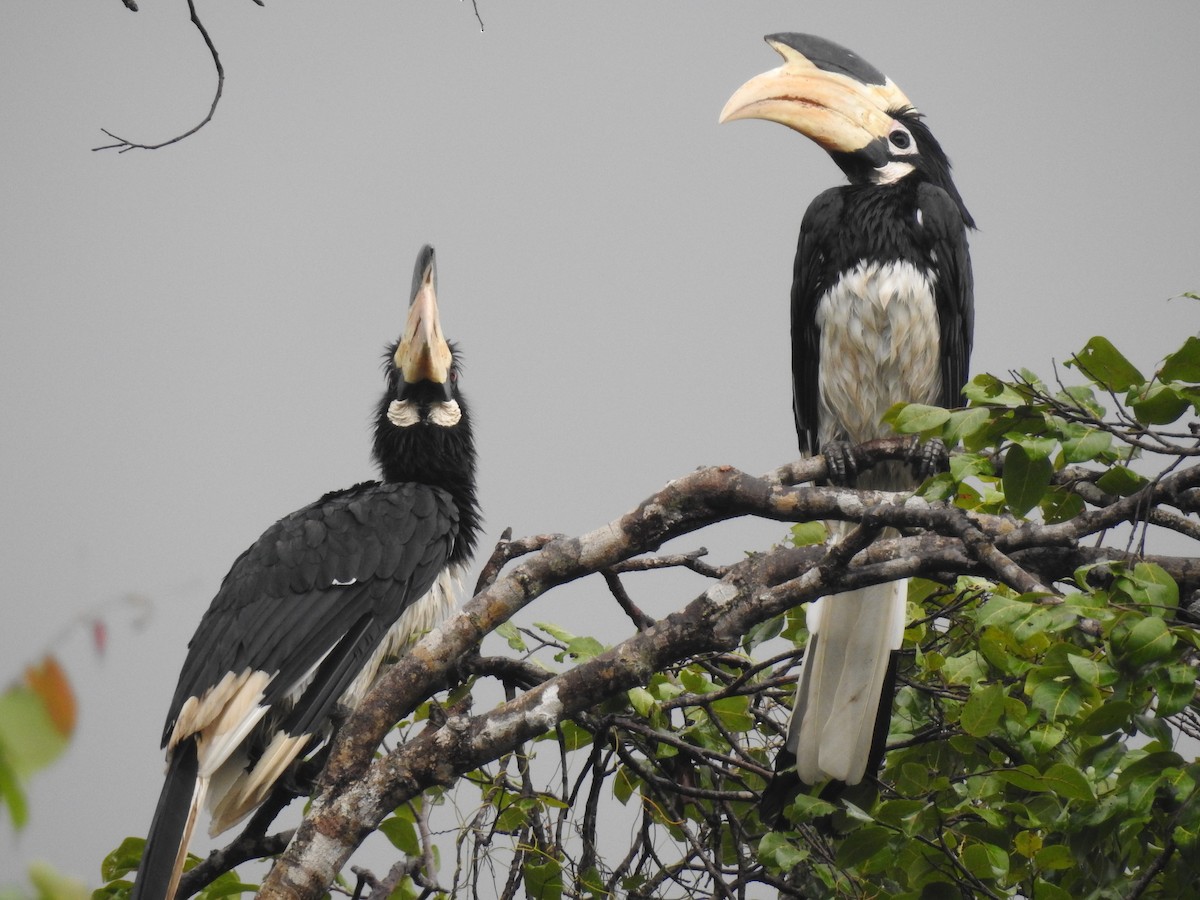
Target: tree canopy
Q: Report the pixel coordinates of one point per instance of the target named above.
(1037, 739)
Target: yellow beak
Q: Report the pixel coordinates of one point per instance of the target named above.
(838, 112)
(423, 354)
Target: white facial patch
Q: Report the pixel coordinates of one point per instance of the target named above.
(404, 413)
(891, 172)
(445, 414)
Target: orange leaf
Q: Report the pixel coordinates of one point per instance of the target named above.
(50, 684)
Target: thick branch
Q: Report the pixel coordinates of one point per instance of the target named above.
(356, 793)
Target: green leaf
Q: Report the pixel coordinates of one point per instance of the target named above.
(734, 713)
(1025, 479)
(559, 634)
(984, 860)
(585, 648)
(642, 701)
(623, 784)
(512, 814)
(1121, 480)
(52, 885)
(574, 737)
(543, 877)
(1184, 363)
(11, 793)
(1027, 843)
(1148, 640)
(806, 534)
(1175, 686)
(859, 846)
(1060, 505)
(964, 423)
(988, 390)
(226, 885)
(402, 832)
(1151, 585)
(777, 852)
(125, 859)
(695, 680)
(509, 632)
(1158, 404)
(28, 735)
(1025, 777)
(915, 418)
(1092, 671)
(1087, 446)
(1056, 697)
(763, 632)
(1108, 717)
(983, 710)
(1069, 782)
(1104, 364)
(1056, 856)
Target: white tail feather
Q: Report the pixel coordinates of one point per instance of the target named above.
(841, 679)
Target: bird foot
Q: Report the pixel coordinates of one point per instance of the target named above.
(841, 463)
(929, 458)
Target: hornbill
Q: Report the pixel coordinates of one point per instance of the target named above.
(307, 614)
(881, 312)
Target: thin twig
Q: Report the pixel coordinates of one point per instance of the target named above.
(124, 145)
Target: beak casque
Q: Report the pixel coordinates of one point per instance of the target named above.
(823, 91)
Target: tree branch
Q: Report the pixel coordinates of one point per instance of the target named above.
(124, 145)
(356, 793)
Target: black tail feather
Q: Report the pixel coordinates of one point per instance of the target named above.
(169, 828)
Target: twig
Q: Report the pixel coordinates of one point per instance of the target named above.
(123, 145)
(640, 620)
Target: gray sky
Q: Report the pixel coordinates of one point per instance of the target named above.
(191, 336)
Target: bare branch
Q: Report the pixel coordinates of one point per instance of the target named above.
(123, 145)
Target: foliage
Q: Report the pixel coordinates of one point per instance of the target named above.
(37, 718)
(1035, 744)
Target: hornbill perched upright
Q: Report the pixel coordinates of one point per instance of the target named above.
(882, 312)
(306, 616)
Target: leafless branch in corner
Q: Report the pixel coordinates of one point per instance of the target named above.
(123, 145)
(475, 6)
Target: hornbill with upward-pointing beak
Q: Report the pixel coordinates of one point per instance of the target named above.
(882, 312)
(306, 616)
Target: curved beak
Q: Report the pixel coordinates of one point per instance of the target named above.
(423, 354)
(822, 90)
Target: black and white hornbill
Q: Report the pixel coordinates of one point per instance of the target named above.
(882, 312)
(306, 616)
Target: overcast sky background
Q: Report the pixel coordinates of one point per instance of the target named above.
(191, 337)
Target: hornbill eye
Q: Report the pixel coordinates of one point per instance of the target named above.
(900, 139)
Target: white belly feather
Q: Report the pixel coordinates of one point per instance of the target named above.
(879, 346)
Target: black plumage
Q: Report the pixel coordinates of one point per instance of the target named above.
(307, 614)
(913, 220)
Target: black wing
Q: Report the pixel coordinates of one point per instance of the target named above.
(954, 291)
(811, 277)
(321, 585)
